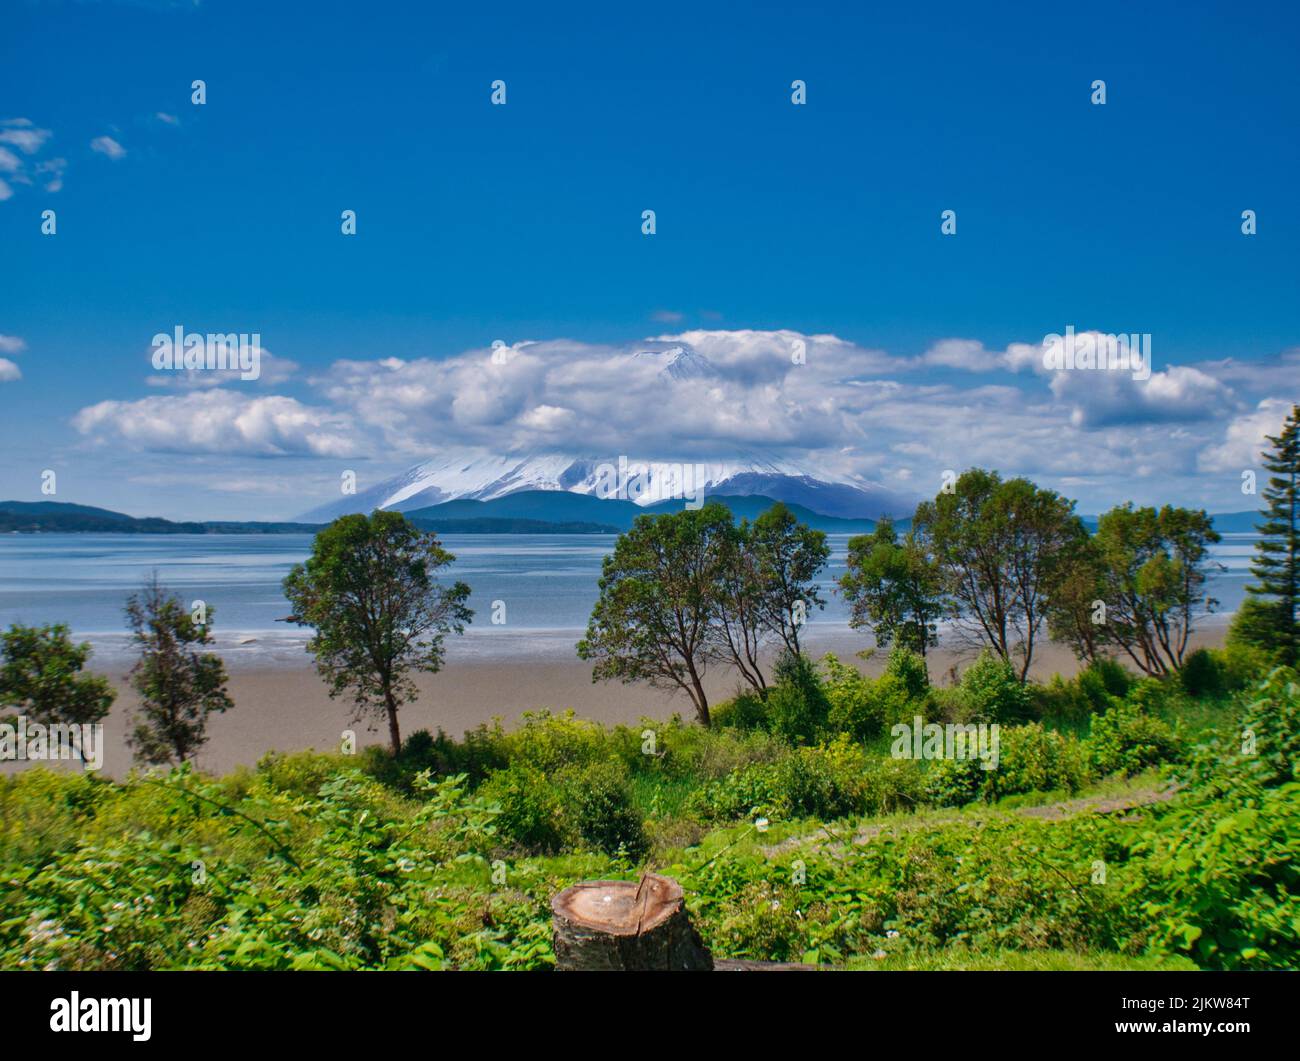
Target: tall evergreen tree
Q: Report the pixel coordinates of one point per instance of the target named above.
(1277, 561)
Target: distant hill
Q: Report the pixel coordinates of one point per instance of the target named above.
(510, 526)
(31, 517)
(57, 517)
(562, 506)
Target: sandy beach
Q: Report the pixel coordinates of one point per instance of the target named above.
(287, 708)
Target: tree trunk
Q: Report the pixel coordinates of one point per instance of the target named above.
(394, 734)
(606, 925)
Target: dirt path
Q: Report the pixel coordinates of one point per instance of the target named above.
(1051, 812)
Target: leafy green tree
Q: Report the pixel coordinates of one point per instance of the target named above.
(1274, 622)
(370, 591)
(893, 588)
(1076, 613)
(179, 686)
(659, 597)
(788, 555)
(740, 630)
(1154, 566)
(1001, 546)
(41, 675)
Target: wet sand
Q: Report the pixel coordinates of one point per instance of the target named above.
(288, 708)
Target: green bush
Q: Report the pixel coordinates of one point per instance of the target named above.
(854, 708)
(908, 668)
(1202, 674)
(532, 814)
(1034, 759)
(797, 706)
(1030, 759)
(746, 711)
(750, 792)
(993, 693)
(598, 802)
(1126, 740)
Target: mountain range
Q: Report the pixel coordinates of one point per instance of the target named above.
(467, 476)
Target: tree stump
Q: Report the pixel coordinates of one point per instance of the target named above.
(607, 925)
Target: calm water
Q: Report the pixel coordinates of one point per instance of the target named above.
(548, 584)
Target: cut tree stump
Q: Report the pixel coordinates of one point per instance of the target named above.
(607, 925)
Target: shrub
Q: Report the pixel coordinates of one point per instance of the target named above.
(1202, 674)
(908, 668)
(824, 782)
(598, 802)
(954, 782)
(1034, 759)
(746, 711)
(797, 706)
(993, 693)
(1124, 739)
(751, 792)
(531, 813)
(853, 707)
(1030, 759)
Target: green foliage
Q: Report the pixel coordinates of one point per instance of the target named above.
(1126, 740)
(598, 800)
(992, 692)
(797, 706)
(659, 596)
(1202, 674)
(532, 811)
(370, 592)
(179, 686)
(1272, 622)
(41, 676)
(893, 589)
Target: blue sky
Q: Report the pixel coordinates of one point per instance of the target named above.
(523, 223)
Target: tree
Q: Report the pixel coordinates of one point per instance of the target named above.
(178, 685)
(741, 630)
(41, 675)
(1076, 612)
(658, 601)
(370, 591)
(1274, 620)
(1154, 566)
(788, 556)
(893, 588)
(1001, 546)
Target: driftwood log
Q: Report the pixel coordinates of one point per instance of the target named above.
(607, 925)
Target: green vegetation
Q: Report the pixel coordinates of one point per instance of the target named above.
(178, 684)
(370, 591)
(818, 846)
(1116, 819)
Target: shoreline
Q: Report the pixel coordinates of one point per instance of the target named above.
(287, 708)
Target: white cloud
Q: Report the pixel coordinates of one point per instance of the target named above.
(167, 119)
(817, 401)
(1105, 398)
(1244, 438)
(221, 421)
(11, 344)
(106, 145)
(9, 371)
(20, 139)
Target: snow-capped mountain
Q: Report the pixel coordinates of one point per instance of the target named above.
(485, 477)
